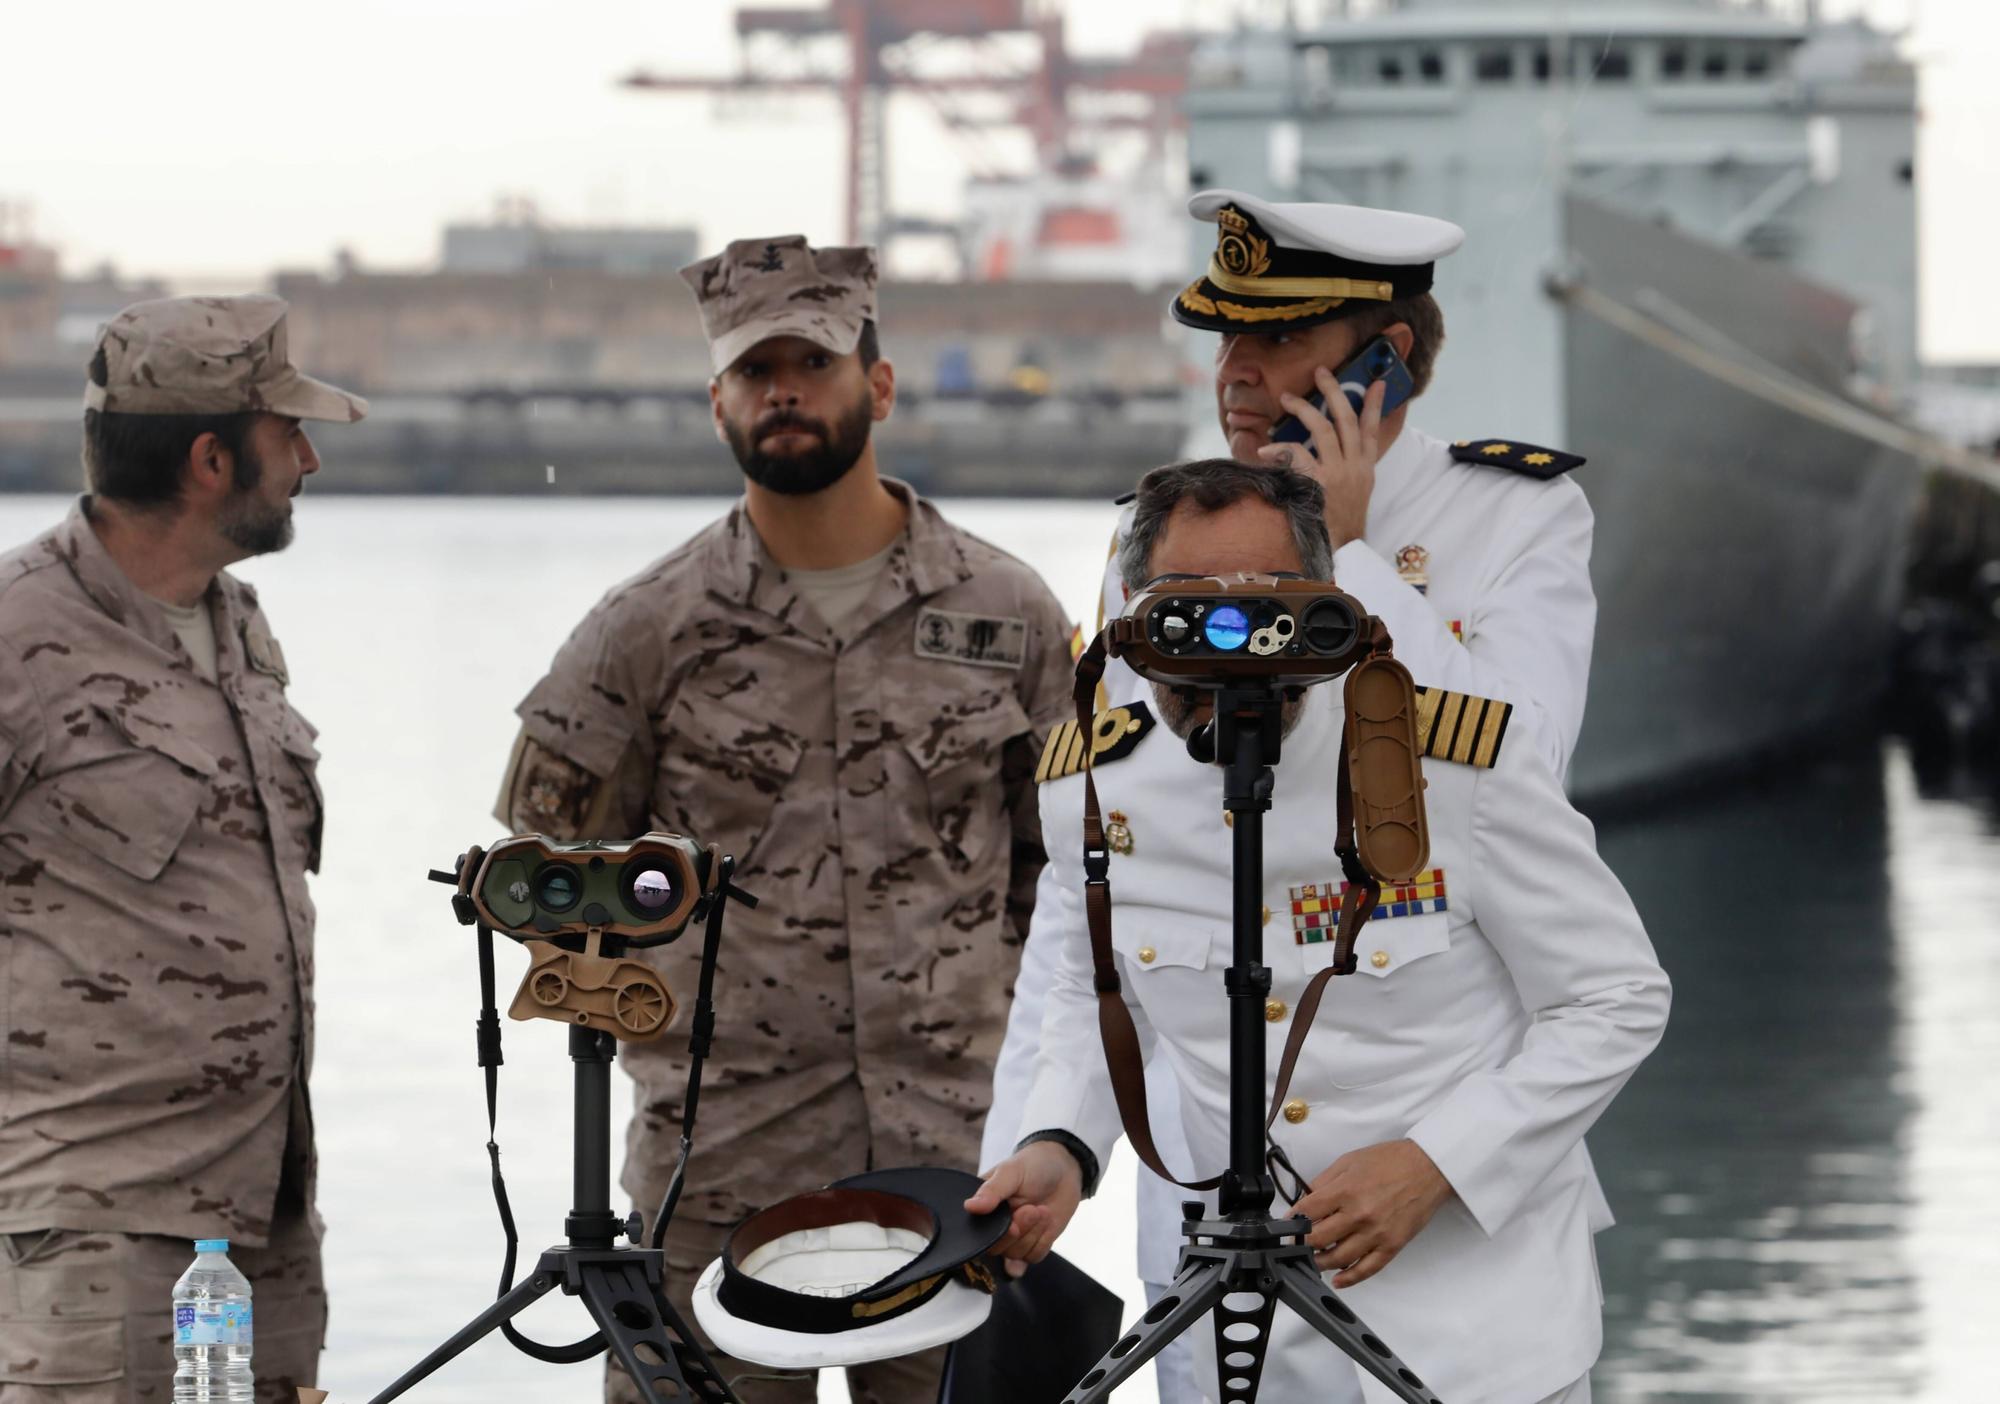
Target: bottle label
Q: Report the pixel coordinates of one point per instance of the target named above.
(212, 1324)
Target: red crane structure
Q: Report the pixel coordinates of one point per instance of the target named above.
(894, 45)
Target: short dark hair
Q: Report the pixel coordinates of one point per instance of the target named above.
(1426, 322)
(870, 345)
(1212, 484)
(136, 459)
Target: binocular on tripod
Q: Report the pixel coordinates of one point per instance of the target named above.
(579, 907)
(1239, 636)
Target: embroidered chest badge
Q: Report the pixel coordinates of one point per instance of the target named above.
(1316, 905)
(1413, 563)
(1118, 832)
(988, 640)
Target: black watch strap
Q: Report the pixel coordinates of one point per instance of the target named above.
(1078, 1151)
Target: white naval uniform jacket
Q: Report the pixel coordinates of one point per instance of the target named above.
(1509, 561)
(1492, 1033)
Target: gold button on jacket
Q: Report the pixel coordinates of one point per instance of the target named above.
(1146, 954)
(1379, 960)
(1274, 1010)
(1295, 1111)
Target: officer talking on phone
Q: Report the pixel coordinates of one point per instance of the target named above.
(1476, 553)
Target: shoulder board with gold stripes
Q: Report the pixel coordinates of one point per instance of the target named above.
(1114, 734)
(1512, 454)
(1456, 726)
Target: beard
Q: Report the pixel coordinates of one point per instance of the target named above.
(1185, 710)
(249, 523)
(812, 470)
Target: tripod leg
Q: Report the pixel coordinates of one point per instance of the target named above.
(648, 1336)
(531, 1289)
(1242, 1339)
(1303, 1290)
(1190, 1298)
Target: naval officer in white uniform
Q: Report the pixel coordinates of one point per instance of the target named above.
(1476, 554)
(1441, 1099)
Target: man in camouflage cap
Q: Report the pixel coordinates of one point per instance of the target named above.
(848, 693)
(159, 810)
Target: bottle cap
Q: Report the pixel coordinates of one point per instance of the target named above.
(211, 1245)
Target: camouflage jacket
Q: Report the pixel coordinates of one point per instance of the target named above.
(877, 792)
(155, 929)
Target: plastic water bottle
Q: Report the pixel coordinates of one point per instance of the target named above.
(212, 1330)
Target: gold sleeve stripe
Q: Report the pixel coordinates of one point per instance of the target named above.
(1059, 742)
(1489, 736)
(1427, 711)
(1456, 726)
(1449, 709)
(1468, 729)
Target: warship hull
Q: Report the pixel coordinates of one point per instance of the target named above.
(1749, 558)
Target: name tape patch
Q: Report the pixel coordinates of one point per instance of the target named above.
(984, 639)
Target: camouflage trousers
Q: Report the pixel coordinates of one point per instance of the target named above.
(693, 1246)
(87, 1318)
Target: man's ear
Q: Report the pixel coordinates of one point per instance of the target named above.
(715, 411)
(1401, 337)
(210, 470)
(881, 389)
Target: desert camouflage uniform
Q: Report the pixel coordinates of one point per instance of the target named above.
(155, 928)
(877, 792)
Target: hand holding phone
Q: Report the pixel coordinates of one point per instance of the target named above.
(1375, 361)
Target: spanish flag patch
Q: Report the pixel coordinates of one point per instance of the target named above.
(1114, 734)
(1456, 726)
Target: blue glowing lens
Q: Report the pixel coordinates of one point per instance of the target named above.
(1228, 628)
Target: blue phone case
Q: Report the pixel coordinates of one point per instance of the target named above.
(1375, 361)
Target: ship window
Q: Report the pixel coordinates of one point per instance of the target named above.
(1389, 67)
(1614, 62)
(1541, 65)
(1674, 61)
(1757, 63)
(1715, 63)
(1494, 66)
(1430, 63)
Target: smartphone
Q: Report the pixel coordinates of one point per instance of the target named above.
(1375, 361)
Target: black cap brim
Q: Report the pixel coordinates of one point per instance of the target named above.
(961, 1237)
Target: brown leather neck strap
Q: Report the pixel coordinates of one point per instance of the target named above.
(1115, 1027)
(1120, 1036)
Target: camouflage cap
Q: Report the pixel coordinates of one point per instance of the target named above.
(209, 355)
(760, 288)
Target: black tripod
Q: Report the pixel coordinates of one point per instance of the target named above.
(1245, 1250)
(622, 1287)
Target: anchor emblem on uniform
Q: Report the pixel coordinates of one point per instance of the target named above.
(1118, 832)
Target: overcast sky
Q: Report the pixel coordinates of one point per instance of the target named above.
(214, 140)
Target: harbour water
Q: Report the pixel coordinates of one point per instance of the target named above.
(1807, 1173)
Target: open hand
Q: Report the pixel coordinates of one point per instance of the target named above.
(1368, 1204)
(1345, 449)
(1042, 1184)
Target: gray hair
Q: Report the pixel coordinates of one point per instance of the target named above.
(1212, 484)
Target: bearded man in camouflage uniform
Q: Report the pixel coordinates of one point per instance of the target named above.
(159, 810)
(848, 693)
